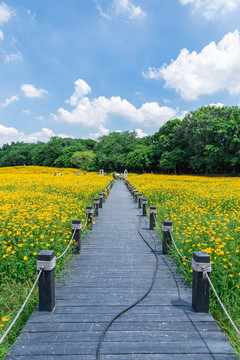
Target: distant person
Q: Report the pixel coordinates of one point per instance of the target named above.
(55, 174)
(59, 174)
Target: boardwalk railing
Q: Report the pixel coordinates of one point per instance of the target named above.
(201, 263)
(46, 262)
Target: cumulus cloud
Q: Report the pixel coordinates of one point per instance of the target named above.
(128, 8)
(81, 89)
(101, 131)
(10, 134)
(30, 91)
(219, 105)
(97, 111)
(10, 100)
(211, 8)
(216, 67)
(140, 133)
(1, 35)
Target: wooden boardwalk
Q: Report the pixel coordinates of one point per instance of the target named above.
(114, 269)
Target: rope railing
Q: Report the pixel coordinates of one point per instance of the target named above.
(43, 265)
(205, 269)
(59, 257)
(220, 302)
(197, 267)
(22, 307)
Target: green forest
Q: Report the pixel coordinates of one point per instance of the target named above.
(205, 141)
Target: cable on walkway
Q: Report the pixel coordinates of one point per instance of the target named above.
(98, 353)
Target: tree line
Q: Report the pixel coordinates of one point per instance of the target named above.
(205, 141)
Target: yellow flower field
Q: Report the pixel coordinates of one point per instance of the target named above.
(206, 217)
(36, 212)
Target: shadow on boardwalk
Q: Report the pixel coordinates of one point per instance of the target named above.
(114, 269)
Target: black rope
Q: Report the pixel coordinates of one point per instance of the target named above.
(98, 353)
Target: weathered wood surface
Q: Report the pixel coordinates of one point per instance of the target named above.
(114, 269)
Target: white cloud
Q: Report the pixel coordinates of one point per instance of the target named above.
(128, 8)
(219, 105)
(10, 100)
(81, 89)
(102, 13)
(140, 133)
(12, 57)
(27, 112)
(101, 131)
(97, 111)
(121, 7)
(5, 13)
(211, 8)
(216, 67)
(10, 134)
(30, 91)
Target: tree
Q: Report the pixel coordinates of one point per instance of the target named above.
(112, 150)
(84, 160)
(140, 160)
(170, 159)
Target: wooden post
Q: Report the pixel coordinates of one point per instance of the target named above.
(200, 284)
(153, 212)
(144, 207)
(104, 195)
(77, 225)
(100, 200)
(140, 201)
(96, 206)
(167, 240)
(89, 213)
(136, 196)
(46, 281)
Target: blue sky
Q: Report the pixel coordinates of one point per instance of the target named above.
(82, 68)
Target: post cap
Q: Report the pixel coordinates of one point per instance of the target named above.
(46, 255)
(167, 223)
(89, 210)
(201, 257)
(77, 224)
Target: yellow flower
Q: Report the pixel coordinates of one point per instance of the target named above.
(25, 258)
(231, 275)
(4, 319)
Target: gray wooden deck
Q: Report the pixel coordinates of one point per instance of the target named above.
(114, 269)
